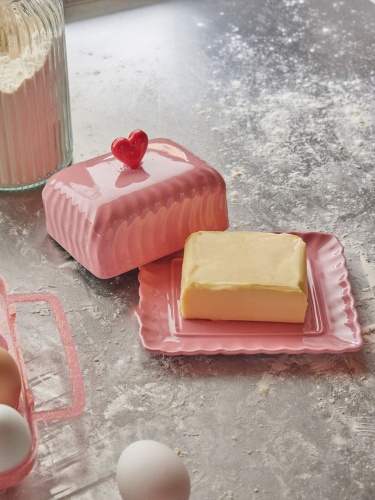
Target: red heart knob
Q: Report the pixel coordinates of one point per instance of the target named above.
(130, 151)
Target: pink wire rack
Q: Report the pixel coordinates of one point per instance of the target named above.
(9, 340)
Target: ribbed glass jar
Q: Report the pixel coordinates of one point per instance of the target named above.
(35, 122)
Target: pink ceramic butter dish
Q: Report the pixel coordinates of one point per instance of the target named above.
(112, 218)
(331, 323)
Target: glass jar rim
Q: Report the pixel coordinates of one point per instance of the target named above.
(8, 2)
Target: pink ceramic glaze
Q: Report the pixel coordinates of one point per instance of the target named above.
(331, 324)
(112, 218)
(10, 341)
(131, 150)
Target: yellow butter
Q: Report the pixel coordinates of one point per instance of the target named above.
(244, 276)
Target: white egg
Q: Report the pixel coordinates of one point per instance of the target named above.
(15, 438)
(148, 470)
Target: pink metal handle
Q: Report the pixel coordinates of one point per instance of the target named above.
(78, 392)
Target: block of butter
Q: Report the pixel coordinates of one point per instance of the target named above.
(246, 276)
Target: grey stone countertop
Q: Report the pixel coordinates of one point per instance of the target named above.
(278, 95)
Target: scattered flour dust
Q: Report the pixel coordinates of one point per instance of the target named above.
(286, 135)
(369, 268)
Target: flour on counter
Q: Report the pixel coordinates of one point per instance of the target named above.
(296, 132)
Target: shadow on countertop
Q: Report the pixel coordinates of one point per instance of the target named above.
(77, 10)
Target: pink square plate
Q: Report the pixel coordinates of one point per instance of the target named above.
(331, 324)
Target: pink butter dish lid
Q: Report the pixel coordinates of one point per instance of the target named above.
(134, 205)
